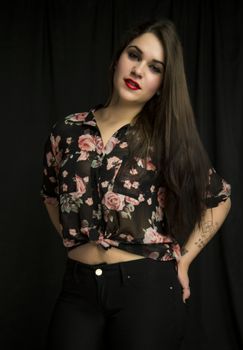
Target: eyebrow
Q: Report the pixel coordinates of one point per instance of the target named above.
(154, 60)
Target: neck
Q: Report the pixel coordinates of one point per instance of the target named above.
(121, 112)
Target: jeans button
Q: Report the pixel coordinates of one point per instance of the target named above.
(98, 272)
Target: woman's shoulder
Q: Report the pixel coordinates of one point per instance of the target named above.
(77, 117)
(68, 121)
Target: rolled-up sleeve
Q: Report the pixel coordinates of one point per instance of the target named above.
(51, 160)
(217, 191)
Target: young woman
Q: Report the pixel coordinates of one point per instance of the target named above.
(132, 192)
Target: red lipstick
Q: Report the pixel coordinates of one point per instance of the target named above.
(132, 84)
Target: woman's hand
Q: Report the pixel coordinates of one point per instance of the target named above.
(182, 274)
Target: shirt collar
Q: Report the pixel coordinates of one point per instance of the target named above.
(90, 118)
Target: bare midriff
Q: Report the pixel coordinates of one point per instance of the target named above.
(91, 253)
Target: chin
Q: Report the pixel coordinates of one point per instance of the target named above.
(128, 95)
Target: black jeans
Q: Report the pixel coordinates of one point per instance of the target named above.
(131, 305)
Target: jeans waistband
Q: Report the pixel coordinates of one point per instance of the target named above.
(121, 268)
(130, 264)
(105, 266)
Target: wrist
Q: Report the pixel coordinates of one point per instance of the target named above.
(183, 262)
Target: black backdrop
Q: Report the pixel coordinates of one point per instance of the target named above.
(54, 62)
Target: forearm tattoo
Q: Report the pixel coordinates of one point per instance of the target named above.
(183, 251)
(206, 233)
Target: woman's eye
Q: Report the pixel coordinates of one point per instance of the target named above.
(132, 55)
(156, 69)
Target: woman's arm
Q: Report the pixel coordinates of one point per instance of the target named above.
(212, 221)
(53, 212)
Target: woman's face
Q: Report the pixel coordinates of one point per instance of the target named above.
(143, 62)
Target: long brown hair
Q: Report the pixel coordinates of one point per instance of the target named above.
(166, 127)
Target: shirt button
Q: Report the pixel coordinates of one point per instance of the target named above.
(98, 272)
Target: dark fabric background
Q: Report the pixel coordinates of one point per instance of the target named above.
(54, 62)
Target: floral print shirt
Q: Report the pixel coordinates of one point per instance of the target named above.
(98, 200)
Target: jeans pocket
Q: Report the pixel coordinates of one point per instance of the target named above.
(139, 273)
(149, 274)
(138, 280)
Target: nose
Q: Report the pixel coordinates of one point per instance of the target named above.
(138, 70)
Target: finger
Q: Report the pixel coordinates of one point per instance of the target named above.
(186, 294)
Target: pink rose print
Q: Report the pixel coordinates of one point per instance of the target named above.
(133, 171)
(111, 144)
(149, 201)
(127, 184)
(64, 187)
(111, 162)
(85, 231)
(226, 188)
(52, 179)
(99, 144)
(54, 157)
(131, 200)
(135, 184)
(86, 143)
(113, 201)
(139, 162)
(152, 188)
(123, 145)
(85, 227)
(50, 159)
(78, 116)
(152, 236)
(68, 140)
(141, 198)
(72, 231)
(104, 183)
(176, 251)
(117, 168)
(150, 165)
(154, 255)
(89, 201)
(68, 242)
(167, 256)
(159, 214)
(161, 196)
(55, 142)
(58, 158)
(106, 242)
(81, 188)
(64, 173)
(127, 237)
(211, 170)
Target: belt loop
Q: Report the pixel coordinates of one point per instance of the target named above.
(123, 274)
